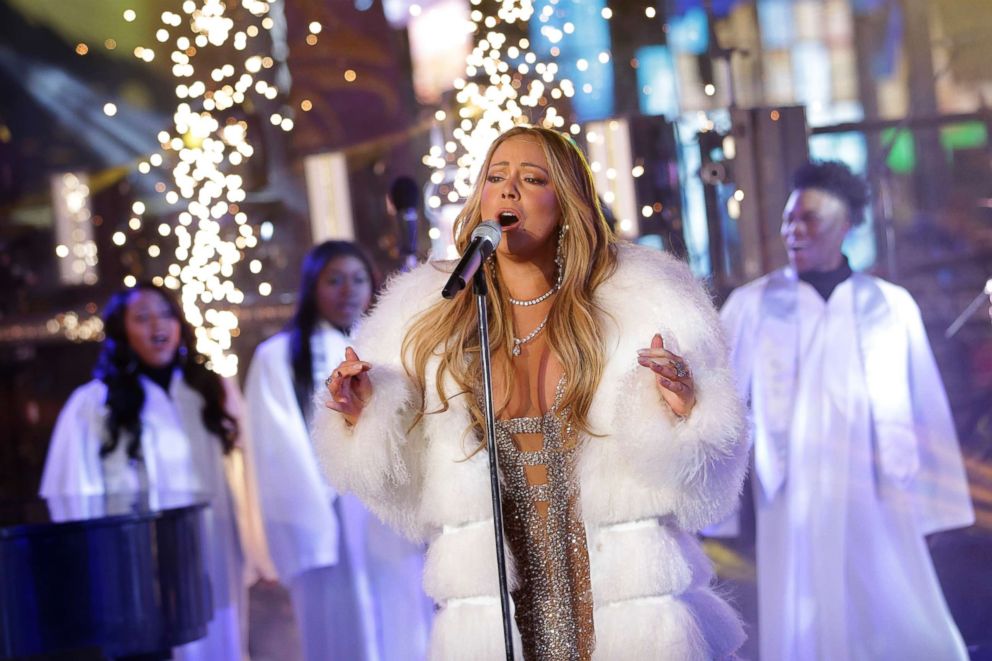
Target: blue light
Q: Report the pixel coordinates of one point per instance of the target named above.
(720, 8)
(689, 32)
(589, 38)
(811, 73)
(656, 82)
(776, 23)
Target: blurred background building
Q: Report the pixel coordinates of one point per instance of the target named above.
(207, 145)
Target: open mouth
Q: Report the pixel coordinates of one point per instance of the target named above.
(507, 219)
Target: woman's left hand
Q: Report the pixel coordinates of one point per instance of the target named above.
(672, 376)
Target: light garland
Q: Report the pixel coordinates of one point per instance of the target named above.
(507, 83)
(205, 151)
(504, 85)
(71, 326)
(75, 328)
(75, 247)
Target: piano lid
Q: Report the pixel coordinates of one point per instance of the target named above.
(116, 575)
(23, 517)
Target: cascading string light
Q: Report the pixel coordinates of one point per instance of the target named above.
(504, 84)
(207, 145)
(75, 328)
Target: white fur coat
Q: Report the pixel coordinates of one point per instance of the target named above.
(646, 486)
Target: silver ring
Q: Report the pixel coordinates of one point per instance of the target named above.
(680, 369)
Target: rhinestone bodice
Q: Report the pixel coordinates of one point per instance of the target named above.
(544, 530)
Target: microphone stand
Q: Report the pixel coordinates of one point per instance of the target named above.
(410, 225)
(481, 292)
(968, 311)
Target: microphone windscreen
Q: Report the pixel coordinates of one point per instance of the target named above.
(490, 231)
(404, 193)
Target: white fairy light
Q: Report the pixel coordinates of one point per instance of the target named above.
(202, 149)
(496, 95)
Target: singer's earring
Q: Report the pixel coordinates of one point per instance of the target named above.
(560, 255)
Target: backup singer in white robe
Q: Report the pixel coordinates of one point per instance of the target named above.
(148, 347)
(355, 584)
(855, 452)
(180, 455)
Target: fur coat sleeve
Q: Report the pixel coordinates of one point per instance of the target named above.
(692, 468)
(380, 458)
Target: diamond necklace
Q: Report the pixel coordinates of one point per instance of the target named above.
(555, 287)
(519, 342)
(535, 301)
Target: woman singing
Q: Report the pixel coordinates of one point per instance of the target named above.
(619, 431)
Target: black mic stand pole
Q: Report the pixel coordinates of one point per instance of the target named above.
(976, 303)
(410, 259)
(481, 292)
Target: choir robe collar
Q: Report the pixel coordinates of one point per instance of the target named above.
(170, 422)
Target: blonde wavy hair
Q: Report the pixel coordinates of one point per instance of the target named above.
(573, 332)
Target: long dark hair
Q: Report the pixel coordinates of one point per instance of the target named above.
(118, 367)
(305, 318)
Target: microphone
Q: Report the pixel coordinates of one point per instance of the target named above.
(485, 239)
(405, 196)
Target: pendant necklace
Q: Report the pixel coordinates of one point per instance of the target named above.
(519, 342)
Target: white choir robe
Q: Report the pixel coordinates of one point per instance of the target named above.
(856, 460)
(356, 586)
(180, 454)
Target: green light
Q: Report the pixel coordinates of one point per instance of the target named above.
(902, 154)
(966, 135)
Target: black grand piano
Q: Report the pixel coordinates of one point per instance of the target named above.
(118, 576)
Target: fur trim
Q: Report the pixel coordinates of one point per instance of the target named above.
(655, 629)
(456, 486)
(644, 559)
(380, 333)
(720, 623)
(471, 630)
(697, 626)
(456, 568)
(693, 468)
(375, 459)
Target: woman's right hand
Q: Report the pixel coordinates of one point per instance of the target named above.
(349, 386)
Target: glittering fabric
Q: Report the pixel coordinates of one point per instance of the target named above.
(544, 530)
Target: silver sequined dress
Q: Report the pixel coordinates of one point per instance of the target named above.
(544, 530)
